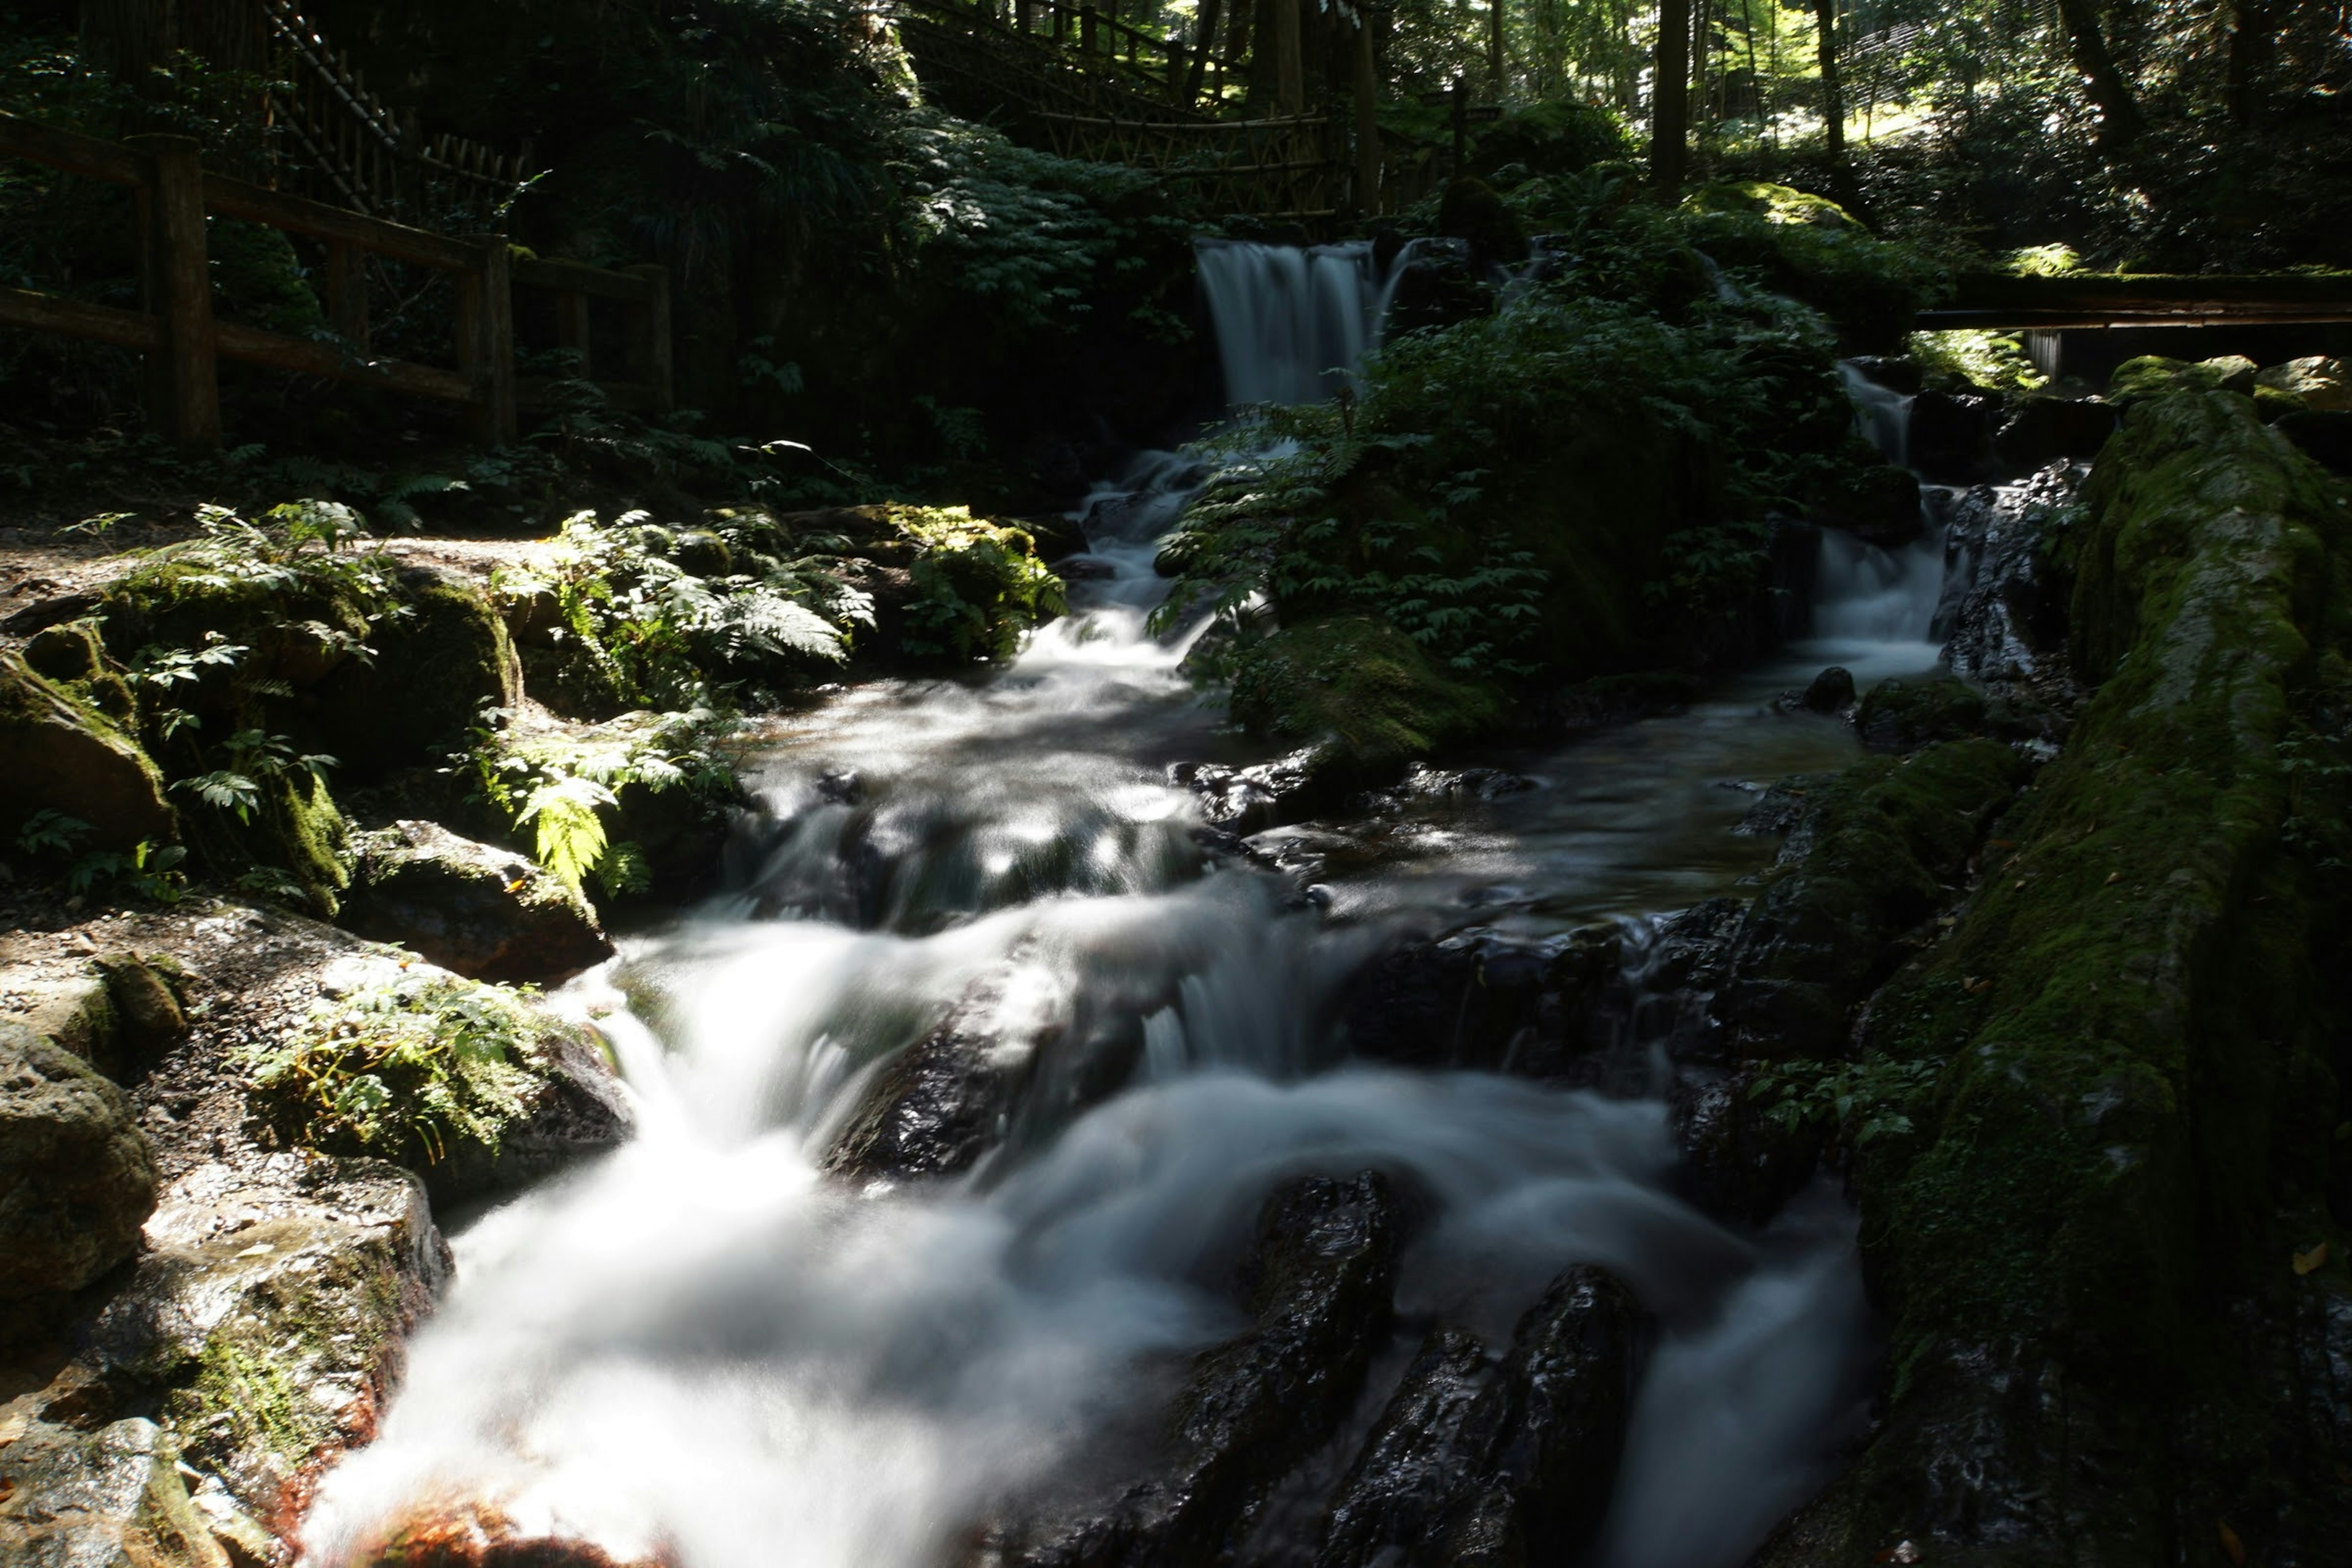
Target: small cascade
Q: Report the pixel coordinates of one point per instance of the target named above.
(1293, 323)
(1882, 416)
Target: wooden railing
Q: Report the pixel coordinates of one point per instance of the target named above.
(2082, 300)
(361, 154)
(183, 341)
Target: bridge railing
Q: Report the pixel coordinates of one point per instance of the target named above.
(183, 341)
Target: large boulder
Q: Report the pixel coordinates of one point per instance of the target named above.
(2045, 430)
(2316, 381)
(1487, 1459)
(69, 756)
(483, 912)
(111, 1498)
(266, 1321)
(76, 1175)
(437, 665)
(1318, 1287)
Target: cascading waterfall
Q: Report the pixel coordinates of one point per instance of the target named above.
(706, 1346)
(1293, 323)
(1871, 606)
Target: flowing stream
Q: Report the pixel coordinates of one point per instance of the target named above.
(704, 1345)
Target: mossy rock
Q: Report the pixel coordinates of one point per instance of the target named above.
(1904, 715)
(437, 666)
(1359, 690)
(1889, 840)
(2154, 376)
(1470, 209)
(1776, 204)
(64, 753)
(2137, 1095)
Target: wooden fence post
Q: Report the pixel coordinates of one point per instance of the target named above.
(347, 298)
(183, 380)
(486, 338)
(650, 334)
(1368, 119)
(1089, 29)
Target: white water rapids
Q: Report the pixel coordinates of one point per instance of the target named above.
(701, 1346)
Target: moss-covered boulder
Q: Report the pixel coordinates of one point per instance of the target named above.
(1899, 715)
(66, 755)
(1361, 691)
(2314, 382)
(483, 912)
(76, 1174)
(2107, 1324)
(440, 659)
(1778, 204)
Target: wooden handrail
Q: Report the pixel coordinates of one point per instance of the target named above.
(177, 332)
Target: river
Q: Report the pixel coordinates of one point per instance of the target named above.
(703, 1345)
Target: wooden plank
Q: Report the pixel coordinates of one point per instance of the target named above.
(77, 319)
(2090, 293)
(579, 277)
(299, 214)
(184, 383)
(70, 150)
(486, 338)
(305, 356)
(2215, 315)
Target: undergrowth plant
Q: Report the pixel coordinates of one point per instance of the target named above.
(405, 1067)
(565, 787)
(1861, 1101)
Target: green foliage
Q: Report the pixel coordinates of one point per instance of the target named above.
(1996, 362)
(979, 585)
(566, 785)
(1037, 237)
(147, 870)
(635, 627)
(404, 1067)
(1862, 1101)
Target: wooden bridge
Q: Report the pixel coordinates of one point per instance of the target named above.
(2086, 302)
(1071, 76)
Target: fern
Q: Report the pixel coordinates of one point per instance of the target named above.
(570, 833)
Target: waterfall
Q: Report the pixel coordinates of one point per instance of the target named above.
(707, 1346)
(1882, 416)
(1293, 322)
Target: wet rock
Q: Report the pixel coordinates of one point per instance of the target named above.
(2003, 614)
(1951, 437)
(1782, 812)
(1426, 785)
(943, 1102)
(1436, 285)
(1488, 1461)
(1480, 999)
(66, 755)
(1830, 691)
(2318, 381)
(1890, 844)
(2045, 430)
(1249, 800)
(111, 1498)
(265, 1322)
(1877, 502)
(76, 1174)
(484, 912)
(573, 1111)
(1904, 715)
(1738, 1164)
(436, 670)
(475, 1534)
(1317, 1285)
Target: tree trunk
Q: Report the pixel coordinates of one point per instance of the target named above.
(1204, 42)
(1494, 47)
(1368, 123)
(1832, 89)
(2249, 59)
(2118, 114)
(1669, 97)
(1289, 66)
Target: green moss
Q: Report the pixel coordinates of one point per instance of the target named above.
(305, 833)
(1890, 839)
(979, 585)
(1364, 690)
(2133, 1065)
(2153, 375)
(1903, 715)
(1776, 204)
